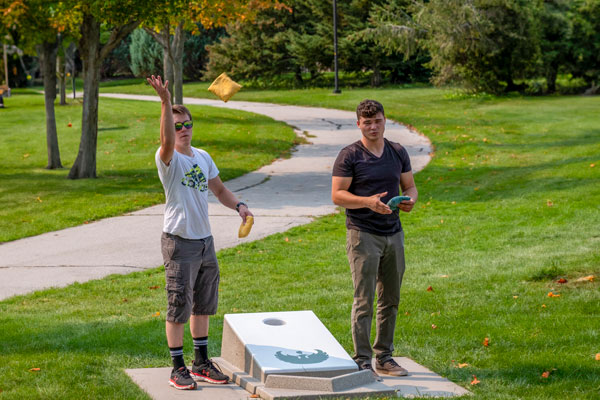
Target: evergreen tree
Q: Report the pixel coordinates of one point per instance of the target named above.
(145, 53)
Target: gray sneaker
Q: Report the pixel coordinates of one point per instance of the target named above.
(390, 367)
(370, 368)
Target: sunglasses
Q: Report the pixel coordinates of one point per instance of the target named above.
(179, 125)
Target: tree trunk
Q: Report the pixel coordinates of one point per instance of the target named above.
(172, 58)
(177, 51)
(70, 56)
(168, 70)
(376, 77)
(89, 46)
(47, 52)
(61, 72)
(92, 54)
(298, 75)
(551, 75)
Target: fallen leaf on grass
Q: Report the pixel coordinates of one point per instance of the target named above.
(429, 289)
(25, 155)
(562, 280)
(515, 297)
(156, 314)
(486, 342)
(543, 306)
(462, 365)
(124, 300)
(589, 278)
(406, 313)
(549, 203)
(34, 370)
(153, 287)
(592, 165)
(475, 381)
(38, 199)
(550, 294)
(597, 356)
(545, 374)
(287, 239)
(444, 276)
(433, 326)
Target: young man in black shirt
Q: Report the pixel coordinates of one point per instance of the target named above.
(366, 175)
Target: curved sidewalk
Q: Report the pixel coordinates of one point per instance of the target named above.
(286, 193)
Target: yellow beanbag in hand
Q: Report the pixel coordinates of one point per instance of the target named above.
(245, 228)
(224, 87)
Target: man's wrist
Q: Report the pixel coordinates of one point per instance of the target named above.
(240, 204)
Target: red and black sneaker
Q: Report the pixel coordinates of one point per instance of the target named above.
(209, 372)
(181, 379)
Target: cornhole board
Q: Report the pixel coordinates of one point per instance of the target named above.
(283, 343)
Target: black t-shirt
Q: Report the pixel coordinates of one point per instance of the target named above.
(372, 175)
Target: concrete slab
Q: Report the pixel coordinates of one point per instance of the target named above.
(334, 384)
(155, 382)
(283, 343)
(420, 383)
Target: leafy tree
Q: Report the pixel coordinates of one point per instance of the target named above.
(485, 45)
(363, 47)
(555, 41)
(181, 15)
(244, 51)
(117, 63)
(584, 55)
(119, 19)
(195, 53)
(16, 18)
(299, 39)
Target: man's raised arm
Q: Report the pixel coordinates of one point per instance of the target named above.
(167, 126)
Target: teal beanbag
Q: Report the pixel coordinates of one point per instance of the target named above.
(394, 201)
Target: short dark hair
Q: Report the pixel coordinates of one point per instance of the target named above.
(368, 109)
(181, 109)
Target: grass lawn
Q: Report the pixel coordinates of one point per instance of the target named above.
(508, 206)
(34, 200)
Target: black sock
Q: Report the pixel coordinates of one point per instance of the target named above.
(177, 357)
(200, 349)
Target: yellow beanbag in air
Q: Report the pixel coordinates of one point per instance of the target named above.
(224, 87)
(245, 228)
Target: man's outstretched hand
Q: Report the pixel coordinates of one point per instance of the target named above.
(161, 89)
(374, 203)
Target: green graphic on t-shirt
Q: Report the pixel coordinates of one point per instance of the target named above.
(195, 179)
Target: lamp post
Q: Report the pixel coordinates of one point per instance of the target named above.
(335, 48)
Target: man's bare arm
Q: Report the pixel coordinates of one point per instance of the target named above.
(407, 183)
(342, 197)
(227, 198)
(167, 126)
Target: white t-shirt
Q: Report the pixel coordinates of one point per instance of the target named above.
(185, 181)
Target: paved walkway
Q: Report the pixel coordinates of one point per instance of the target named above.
(287, 193)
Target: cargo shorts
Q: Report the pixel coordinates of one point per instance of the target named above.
(191, 275)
